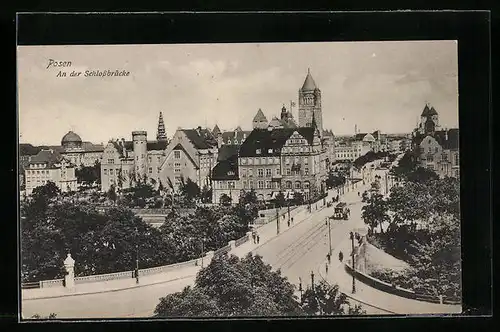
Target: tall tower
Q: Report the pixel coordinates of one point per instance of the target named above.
(310, 104)
(139, 139)
(160, 134)
(259, 120)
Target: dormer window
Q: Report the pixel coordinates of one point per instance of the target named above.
(230, 173)
(270, 151)
(257, 151)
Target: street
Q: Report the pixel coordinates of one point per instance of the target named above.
(297, 251)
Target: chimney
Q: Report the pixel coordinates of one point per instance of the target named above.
(198, 130)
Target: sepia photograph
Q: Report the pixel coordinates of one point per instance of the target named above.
(239, 180)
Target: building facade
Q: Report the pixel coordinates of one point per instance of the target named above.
(124, 163)
(49, 165)
(192, 153)
(435, 148)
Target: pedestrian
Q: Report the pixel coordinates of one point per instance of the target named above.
(288, 223)
(341, 256)
(292, 220)
(329, 258)
(326, 267)
(253, 236)
(258, 239)
(358, 193)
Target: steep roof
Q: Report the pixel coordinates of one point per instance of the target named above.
(216, 130)
(259, 116)
(91, 147)
(232, 135)
(449, 143)
(225, 170)
(26, 149)
(156, 145)
(201, 138)
(309, 84)
(48, 157)
(273, 140)
(428, 111)
(228, 152)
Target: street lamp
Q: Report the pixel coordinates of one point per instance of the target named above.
(329, 236)
(351, 236)
(136, 256)
(277, 219)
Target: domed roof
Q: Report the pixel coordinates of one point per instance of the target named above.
(71, 137)
(309, 84)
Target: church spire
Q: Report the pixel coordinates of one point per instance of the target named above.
(160, 134)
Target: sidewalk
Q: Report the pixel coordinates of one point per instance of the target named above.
(374, 297)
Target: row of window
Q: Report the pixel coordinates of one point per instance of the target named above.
(273, 160)
(37, 172)
(269, 173)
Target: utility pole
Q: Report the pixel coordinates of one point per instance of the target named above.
(329, 236)
(288, 210)
(277, 220)
(386, 183)
(312, 281)
(351, 235)
(136, 256)
(300, 288)
(202, 250)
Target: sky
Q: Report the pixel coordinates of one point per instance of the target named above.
(374, 85)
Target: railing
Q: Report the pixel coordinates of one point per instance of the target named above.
(31, 285)
(222, 251)
(52, 283)
(396, 290)
(240, 241)
(105, 277)
(166, 268)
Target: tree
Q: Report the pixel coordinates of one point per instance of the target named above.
(225, 200)
(191, 302)
(421, 175)
(189, 189)
(375, 211)
(298, 198)
(280, 199)
(324, 300)
(89, 175)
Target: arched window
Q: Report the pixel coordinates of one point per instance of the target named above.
(306, 184)
(289, 185)
(298, 185)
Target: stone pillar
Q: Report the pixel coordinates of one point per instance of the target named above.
(232, 244)
(249, 234)
(69, 265)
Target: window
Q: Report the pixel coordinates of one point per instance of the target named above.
(158, 158)
(306, 171)
(149, 159)
(157, 169)
(250, 183)
(288, 171)
(444, 157)
(306, 161)
(250, 161)
(268, 184)
(430, 158)
(244, 185)
(177, 165)
(289, 185)
(287, 161)
(243, 161)
(270, 151)
(456, 159)
(136, 157)
(260, 172)
(278, 171)
(257, 151)
(142, 156)
(177, 154)
(110, 171)
(269, 172)
(306, 185)
(297, 185)
(260, 184)
(177, 170)
(243, 172)
(231, 185)
(250, 173)
(436, 149)
(150, 170)
(105, 171)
